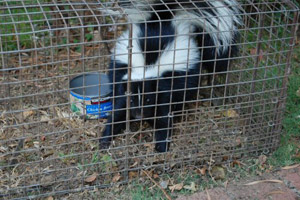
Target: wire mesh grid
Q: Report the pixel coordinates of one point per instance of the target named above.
(48, 148)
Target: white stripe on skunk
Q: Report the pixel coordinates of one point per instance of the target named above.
(220, 27)
(183, 50)
(177, 56)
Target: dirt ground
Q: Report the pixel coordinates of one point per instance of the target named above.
(277, 185)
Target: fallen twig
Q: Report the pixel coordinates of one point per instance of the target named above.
(162, 189)
(274, 192)
(291, 167)
(208, 196)
(264, 181)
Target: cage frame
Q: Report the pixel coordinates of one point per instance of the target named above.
(33, 52)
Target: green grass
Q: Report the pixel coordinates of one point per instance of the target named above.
(22, 25)
(150, 192)
(142, 192)
(22, 20)
(289, 151)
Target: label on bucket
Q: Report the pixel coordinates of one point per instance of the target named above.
(99, 109)
(90, 107)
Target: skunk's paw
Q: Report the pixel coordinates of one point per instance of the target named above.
(162, 146)
(104, 143)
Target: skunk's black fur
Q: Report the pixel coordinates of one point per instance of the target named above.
(170, 48)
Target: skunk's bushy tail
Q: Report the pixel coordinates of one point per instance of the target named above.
(218, 18)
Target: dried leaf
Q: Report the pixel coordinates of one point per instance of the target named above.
(43, 138)
(262, 159)
(134, 164)
(91, 133)
(164, 184)
(47, 180)
(73, 161)
(91, 178)
(191, 187)
(231, 114)
(45, 118)
(50, 198)
(116, 178)
(93, 146)
(202, 171)
(260, 54)
(28, 113)
(298, 92)
(96, 36)
(3, 149)
(236, 162)
(206, 104)
(48, 153)
(264, 181)
(65, 115)
(133, 175)
(155, 176)
(218, 172)
(226, 184)
(28, 140)
(12, 145)
(253, 51)
(176, 187)
(297, 155)
(149, 172)
(291, 167)
(36, 144)
(238, 141)
(148, 145)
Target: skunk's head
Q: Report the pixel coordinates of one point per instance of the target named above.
(143, 99)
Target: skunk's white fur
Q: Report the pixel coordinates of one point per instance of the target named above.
(177, 56)
(182, 51)
(220, 27)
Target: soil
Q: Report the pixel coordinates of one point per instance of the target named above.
(277, 185)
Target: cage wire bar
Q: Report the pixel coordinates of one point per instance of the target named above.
(47, 150)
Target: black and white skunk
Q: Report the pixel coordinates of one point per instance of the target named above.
(172, 42)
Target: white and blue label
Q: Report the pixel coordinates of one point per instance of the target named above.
(101, 109)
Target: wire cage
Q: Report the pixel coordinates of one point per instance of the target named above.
(51, 147)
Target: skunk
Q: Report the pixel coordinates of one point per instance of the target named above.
(172, 42)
